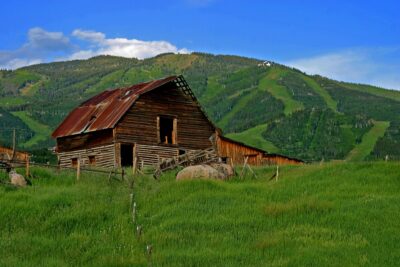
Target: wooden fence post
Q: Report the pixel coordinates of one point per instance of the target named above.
(78, 169)
(244, 166)
(134, 163)
(27, 172)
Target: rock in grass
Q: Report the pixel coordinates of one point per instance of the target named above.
(17, 179)
(223, 168)
(200, 172)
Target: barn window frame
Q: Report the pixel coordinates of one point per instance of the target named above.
(74, 162)
(173, 124)
(92, 160)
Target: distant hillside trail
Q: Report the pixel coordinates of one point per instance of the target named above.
(269, 82)
(332, 104)
(42, 132)
(362, 150)
(253, 137)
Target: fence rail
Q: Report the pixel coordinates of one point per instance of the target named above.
(11, 164)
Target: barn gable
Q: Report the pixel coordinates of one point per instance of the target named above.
(168, 116)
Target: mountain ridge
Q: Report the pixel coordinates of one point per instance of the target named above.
(238, 93)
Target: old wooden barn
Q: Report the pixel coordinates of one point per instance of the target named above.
(148, 121)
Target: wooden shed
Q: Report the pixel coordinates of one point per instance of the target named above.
(238, 152)
(148, 121)
(6, 154)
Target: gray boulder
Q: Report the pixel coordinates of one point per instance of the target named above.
(17, 179)
(223, 168)
(199, 172)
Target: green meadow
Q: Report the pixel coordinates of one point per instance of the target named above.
(334, 214)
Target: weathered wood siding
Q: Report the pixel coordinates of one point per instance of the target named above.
(139, 124)
(84, 141)
(280, 160)
(104, 155)
(238, 152)
(6, 153)
(151, 154)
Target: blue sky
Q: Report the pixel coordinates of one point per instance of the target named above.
(356, 41)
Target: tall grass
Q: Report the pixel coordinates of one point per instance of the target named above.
(330, 215)
(63, 222)
(315, 215)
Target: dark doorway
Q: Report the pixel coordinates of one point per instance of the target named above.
(166, 130)
(126, 155)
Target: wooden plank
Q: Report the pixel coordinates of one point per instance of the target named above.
(141, 123)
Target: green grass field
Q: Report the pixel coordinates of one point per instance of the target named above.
(42, 132)
(363, 149)
(8, 102)
(280, 92)
(61, 222)
(332, 104)
(315, 215)
(253, 137)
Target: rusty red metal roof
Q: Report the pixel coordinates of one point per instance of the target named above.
(104, 110)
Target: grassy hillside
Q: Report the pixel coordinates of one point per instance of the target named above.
(315, 215)
(388, 145)
(280, 92)
(317, 134)
(253, 137)
(8, 122)
(239, 94)
(363, 149)
(42, 131)
(330, 102)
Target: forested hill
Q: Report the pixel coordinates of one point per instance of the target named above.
(270, 106)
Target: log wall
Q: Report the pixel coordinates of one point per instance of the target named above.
(273, 159)
(152, 154)
(104, 155)
(139, 124)
(238, 152)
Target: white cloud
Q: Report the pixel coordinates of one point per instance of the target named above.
(90, 36)
(18, 63)
(41, 46)
(47, 41)
(122, 47)
(368, 66)
(45, 46)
